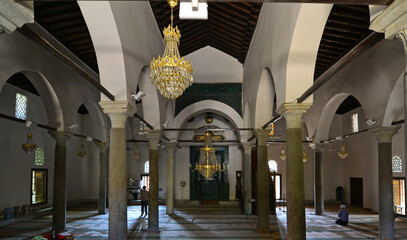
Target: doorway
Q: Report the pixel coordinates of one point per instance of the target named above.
(214, 189)
(399, 196)
(356, 191)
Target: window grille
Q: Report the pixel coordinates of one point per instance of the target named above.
(272, 165)
(39, 157)
(355, 123)
(21, 106)
(147, 167)
(397, 165)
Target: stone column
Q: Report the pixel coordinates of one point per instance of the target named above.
(318, 181)
(59, 194)
(293, 113)
(102, 176)
(386, 217)
(393, 23)
(153, 137)
(118, 112)
(247, 177)
(170, 177)
(263, 205)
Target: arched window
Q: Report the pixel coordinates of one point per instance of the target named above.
(147, 167)
(397, 164)
(39, 157)
(273, 166)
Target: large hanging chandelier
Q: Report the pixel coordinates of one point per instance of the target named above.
(171, 74)
(343, 153)
(29, 147)
(208, 164)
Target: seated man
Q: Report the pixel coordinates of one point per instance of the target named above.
(343, 216)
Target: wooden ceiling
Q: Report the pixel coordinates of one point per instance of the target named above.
(229, 27)
(347, 26)
(64, 20)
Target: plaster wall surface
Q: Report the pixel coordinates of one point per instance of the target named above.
(213, 66)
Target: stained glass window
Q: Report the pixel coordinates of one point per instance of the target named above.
(21, 106)
(397, 164)
(355, 123)
(272, 130)
(39, 157)
(147, 167)
(273, 166)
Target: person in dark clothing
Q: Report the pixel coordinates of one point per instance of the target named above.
(343, 216)
(144, 200)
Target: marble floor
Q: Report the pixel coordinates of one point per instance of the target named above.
(206, 222)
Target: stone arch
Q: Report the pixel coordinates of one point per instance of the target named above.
(213, 106)
(304, 49)
(325, 120)
(98, 119)
(247, 120)
(395, 105)
(108, 46)
(266, 94)
(49, 98)
(150, 102)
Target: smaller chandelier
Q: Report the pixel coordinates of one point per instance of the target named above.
(82, 152)
(283, 156)
(29, 147)
(137, 153)
(171, 74)
(304, 156)
(343, 153)
(208, 164)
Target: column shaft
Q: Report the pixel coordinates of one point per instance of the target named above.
(318, 183)
(293, 113)
(117, 184)
(153, 193)
(247, 177)
(386, 218)
(295, 185)
(153, 136)
(59, 194)
(102, 177)
(263, 218)
(118, 112)
(170, 180)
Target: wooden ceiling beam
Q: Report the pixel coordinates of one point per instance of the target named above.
(66, 16)
(226, 26)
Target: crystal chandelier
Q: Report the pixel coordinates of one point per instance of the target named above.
(29, 146)
(304, 155)
(208, 164)
(82, 152)
(343, 153)
(171, 74)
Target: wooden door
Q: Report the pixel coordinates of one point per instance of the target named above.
(356, 191)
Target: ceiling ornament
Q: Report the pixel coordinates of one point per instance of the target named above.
(82, 152)
(283, 156)
(208, 164)
(29, 147)
(171, 74)
(304, 155)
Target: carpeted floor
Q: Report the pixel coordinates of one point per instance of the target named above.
(207, 222)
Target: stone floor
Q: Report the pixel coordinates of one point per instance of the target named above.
(209, 222)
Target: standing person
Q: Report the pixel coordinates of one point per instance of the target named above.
(343, 216)
(144, 200)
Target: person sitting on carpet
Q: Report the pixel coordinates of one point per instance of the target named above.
(343, 216)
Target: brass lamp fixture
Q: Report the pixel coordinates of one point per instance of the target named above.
(29, 147)
(171, 74)
(343, 153)
(208, 164)
(137, 153)
(304, 155)
(82, 152)
(283, 156)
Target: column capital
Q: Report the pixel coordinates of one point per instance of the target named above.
(171, 145)
(118, 111)
(385, 134)
(247, 147)
(153, 136)
(102, 146)
(392, 20)
(15, 14)
(60, 137)
(262, 135)
(293, 112)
